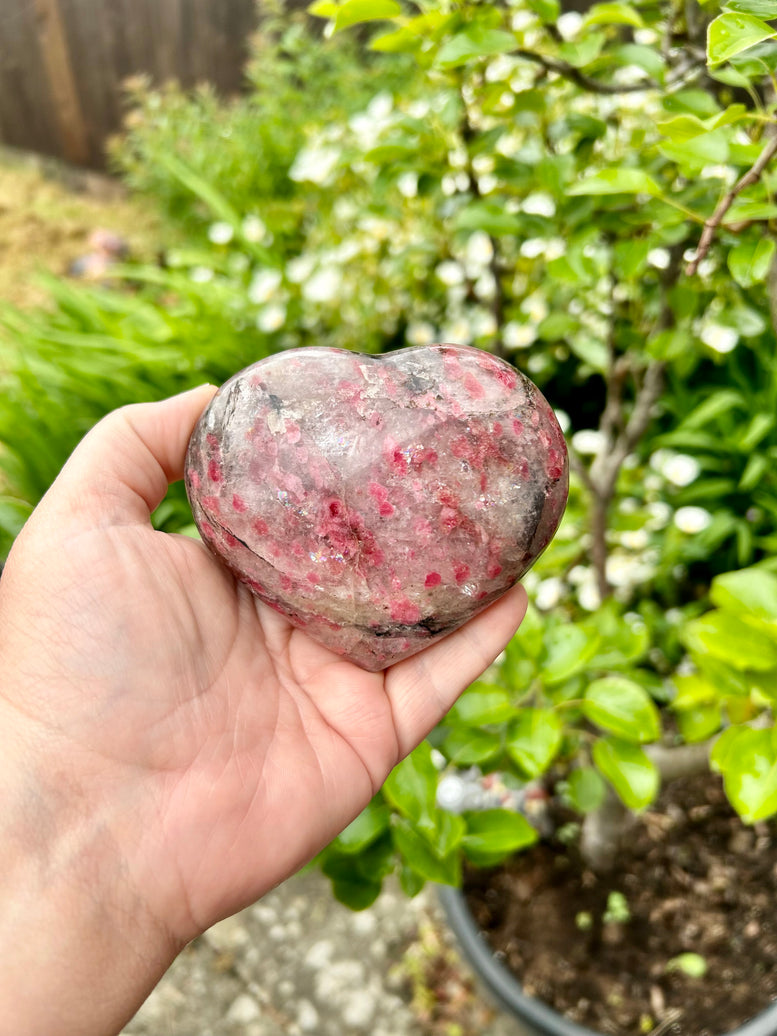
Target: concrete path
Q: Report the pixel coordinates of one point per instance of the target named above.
(299, 963)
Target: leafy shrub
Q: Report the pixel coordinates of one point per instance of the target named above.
(582, 194)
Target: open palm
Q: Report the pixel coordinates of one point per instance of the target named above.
(219, 746)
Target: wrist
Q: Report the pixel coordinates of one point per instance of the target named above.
(81, 950)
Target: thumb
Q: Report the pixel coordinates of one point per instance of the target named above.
(121, 469)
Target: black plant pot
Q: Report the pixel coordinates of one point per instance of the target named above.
(536, 1017)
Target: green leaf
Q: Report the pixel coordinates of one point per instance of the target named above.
(411, 787)
(494, 834)
(628, 769)
(585, 789)
(466, 746)
(480, 704)
(534, 740)
(354, 12)
(705, 149)
(693, 690)
(749, 261)
(489, 216)
(548, 10)
(622, 707)
(691, 964)
(751, 590)
(699, 723)
(743, 211)
(421, 857)
(476, 41)
(617, 181)
(324, 9)
(354, 893)
(681, 128)
(567, 651)
(582, 52)
(748, 762)
(731, 639)
(361, 832)
(644, 57)
(630, 256)
(613, 14)
(766, 9)
(731, 33)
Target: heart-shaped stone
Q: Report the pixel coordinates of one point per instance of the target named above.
(378, 501)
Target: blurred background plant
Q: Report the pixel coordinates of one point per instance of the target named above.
(588, 195)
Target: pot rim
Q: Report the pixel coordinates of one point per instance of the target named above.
(506, 988)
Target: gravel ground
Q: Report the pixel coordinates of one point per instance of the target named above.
(299, 963)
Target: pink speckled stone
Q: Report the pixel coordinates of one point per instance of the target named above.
(378, 501)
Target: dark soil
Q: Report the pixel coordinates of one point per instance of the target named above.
(695, 880)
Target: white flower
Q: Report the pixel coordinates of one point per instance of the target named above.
(448, 184)
(485, 286)
(646, 37)
(299, 269)
(518, 336)
(533, 247)
(407, 184)
(483, 323)
(588, 593)
(659, 257)
(418, 109)
(458, 158)
(501, 66)
(486, 183)
(380, 106)
(589, 442)
(264, 285)
(625, 570)
(568, 24)
(201, 274)
(555, 248)
(323, 286)
(420, 333)
(692, 519)
(539, 204)
(253, 228)
(221, 233)
(450, 273)
(483, 164)
(535, 307)
(635, 539)
(521, 20)
(271, 318)
(563, 420)
(458, 331)
(719, 338)
(718, 172)
(479, 250)
(549, 593)
(660, 515)
(681, 469)
(314, 164)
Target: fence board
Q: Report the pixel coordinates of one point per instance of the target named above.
(63, 62)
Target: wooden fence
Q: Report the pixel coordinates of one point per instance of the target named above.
(63, 62)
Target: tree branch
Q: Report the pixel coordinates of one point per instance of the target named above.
(751, 176)
(563, 68)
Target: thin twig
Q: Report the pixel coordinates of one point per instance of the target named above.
(585, 82)
(752, 176)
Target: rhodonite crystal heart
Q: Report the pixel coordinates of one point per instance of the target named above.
(378, 501)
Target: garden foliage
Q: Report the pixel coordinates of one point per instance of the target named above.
(589, 194)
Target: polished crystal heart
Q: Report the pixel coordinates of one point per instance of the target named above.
(378, 501)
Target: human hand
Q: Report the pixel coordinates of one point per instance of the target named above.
(174, 747)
